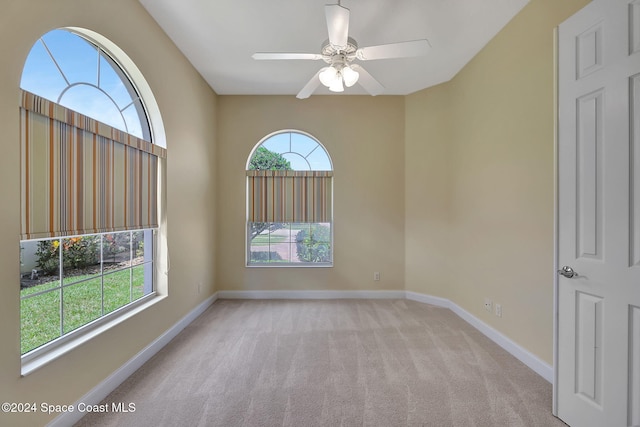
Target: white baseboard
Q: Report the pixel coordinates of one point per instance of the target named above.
(328, 294)
(428, 299)
(532, 361)
(103, 389)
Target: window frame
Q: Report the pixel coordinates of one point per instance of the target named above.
(87, 328)
(148, 106)
(301, 264)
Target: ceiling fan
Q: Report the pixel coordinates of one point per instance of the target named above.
(340, 51)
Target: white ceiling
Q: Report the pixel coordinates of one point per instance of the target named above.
(219, 37)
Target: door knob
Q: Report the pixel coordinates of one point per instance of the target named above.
(568, 272)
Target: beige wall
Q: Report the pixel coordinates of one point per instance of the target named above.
(496, 142)
(365, 139)
(429, 126)
(188, 107)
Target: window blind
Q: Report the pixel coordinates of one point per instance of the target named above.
(81, 176)
(289, 196)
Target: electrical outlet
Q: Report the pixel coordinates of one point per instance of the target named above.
(498, 310)
(376, 276)
(488, 304)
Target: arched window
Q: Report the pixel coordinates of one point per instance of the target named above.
(89, 191)
(289, 202)
(68, 69)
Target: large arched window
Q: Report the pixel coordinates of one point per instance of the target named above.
(72, 71)
(89, 191)
(289, 202)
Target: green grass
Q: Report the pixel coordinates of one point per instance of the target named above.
(82, 303)
(265, 239)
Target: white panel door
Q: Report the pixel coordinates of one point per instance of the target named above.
(598, 347)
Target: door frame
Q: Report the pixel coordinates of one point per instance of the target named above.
(556, 217)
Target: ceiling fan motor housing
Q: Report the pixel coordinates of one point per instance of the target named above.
(332, 54)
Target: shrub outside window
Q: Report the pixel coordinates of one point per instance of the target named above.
(289, 202)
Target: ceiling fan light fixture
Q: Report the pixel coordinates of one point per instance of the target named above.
(328, 76)
(350, 76)
(336, 85)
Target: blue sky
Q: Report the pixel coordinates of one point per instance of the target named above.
(80, 78)
(303, 152)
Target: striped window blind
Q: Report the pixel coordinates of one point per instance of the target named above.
(80, 176)
(289, 196)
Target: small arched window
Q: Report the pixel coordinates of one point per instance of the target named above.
(289, 202)
(89, 191)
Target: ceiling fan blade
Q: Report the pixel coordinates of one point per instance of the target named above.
(394, 50)
(367, 81)
(337, 24)
(312, 85)
(274, 55)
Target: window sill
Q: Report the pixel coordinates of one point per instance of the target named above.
(42, 356)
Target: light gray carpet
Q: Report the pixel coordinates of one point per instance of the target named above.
(331, 363)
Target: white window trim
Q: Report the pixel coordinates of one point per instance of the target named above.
(45, 354)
